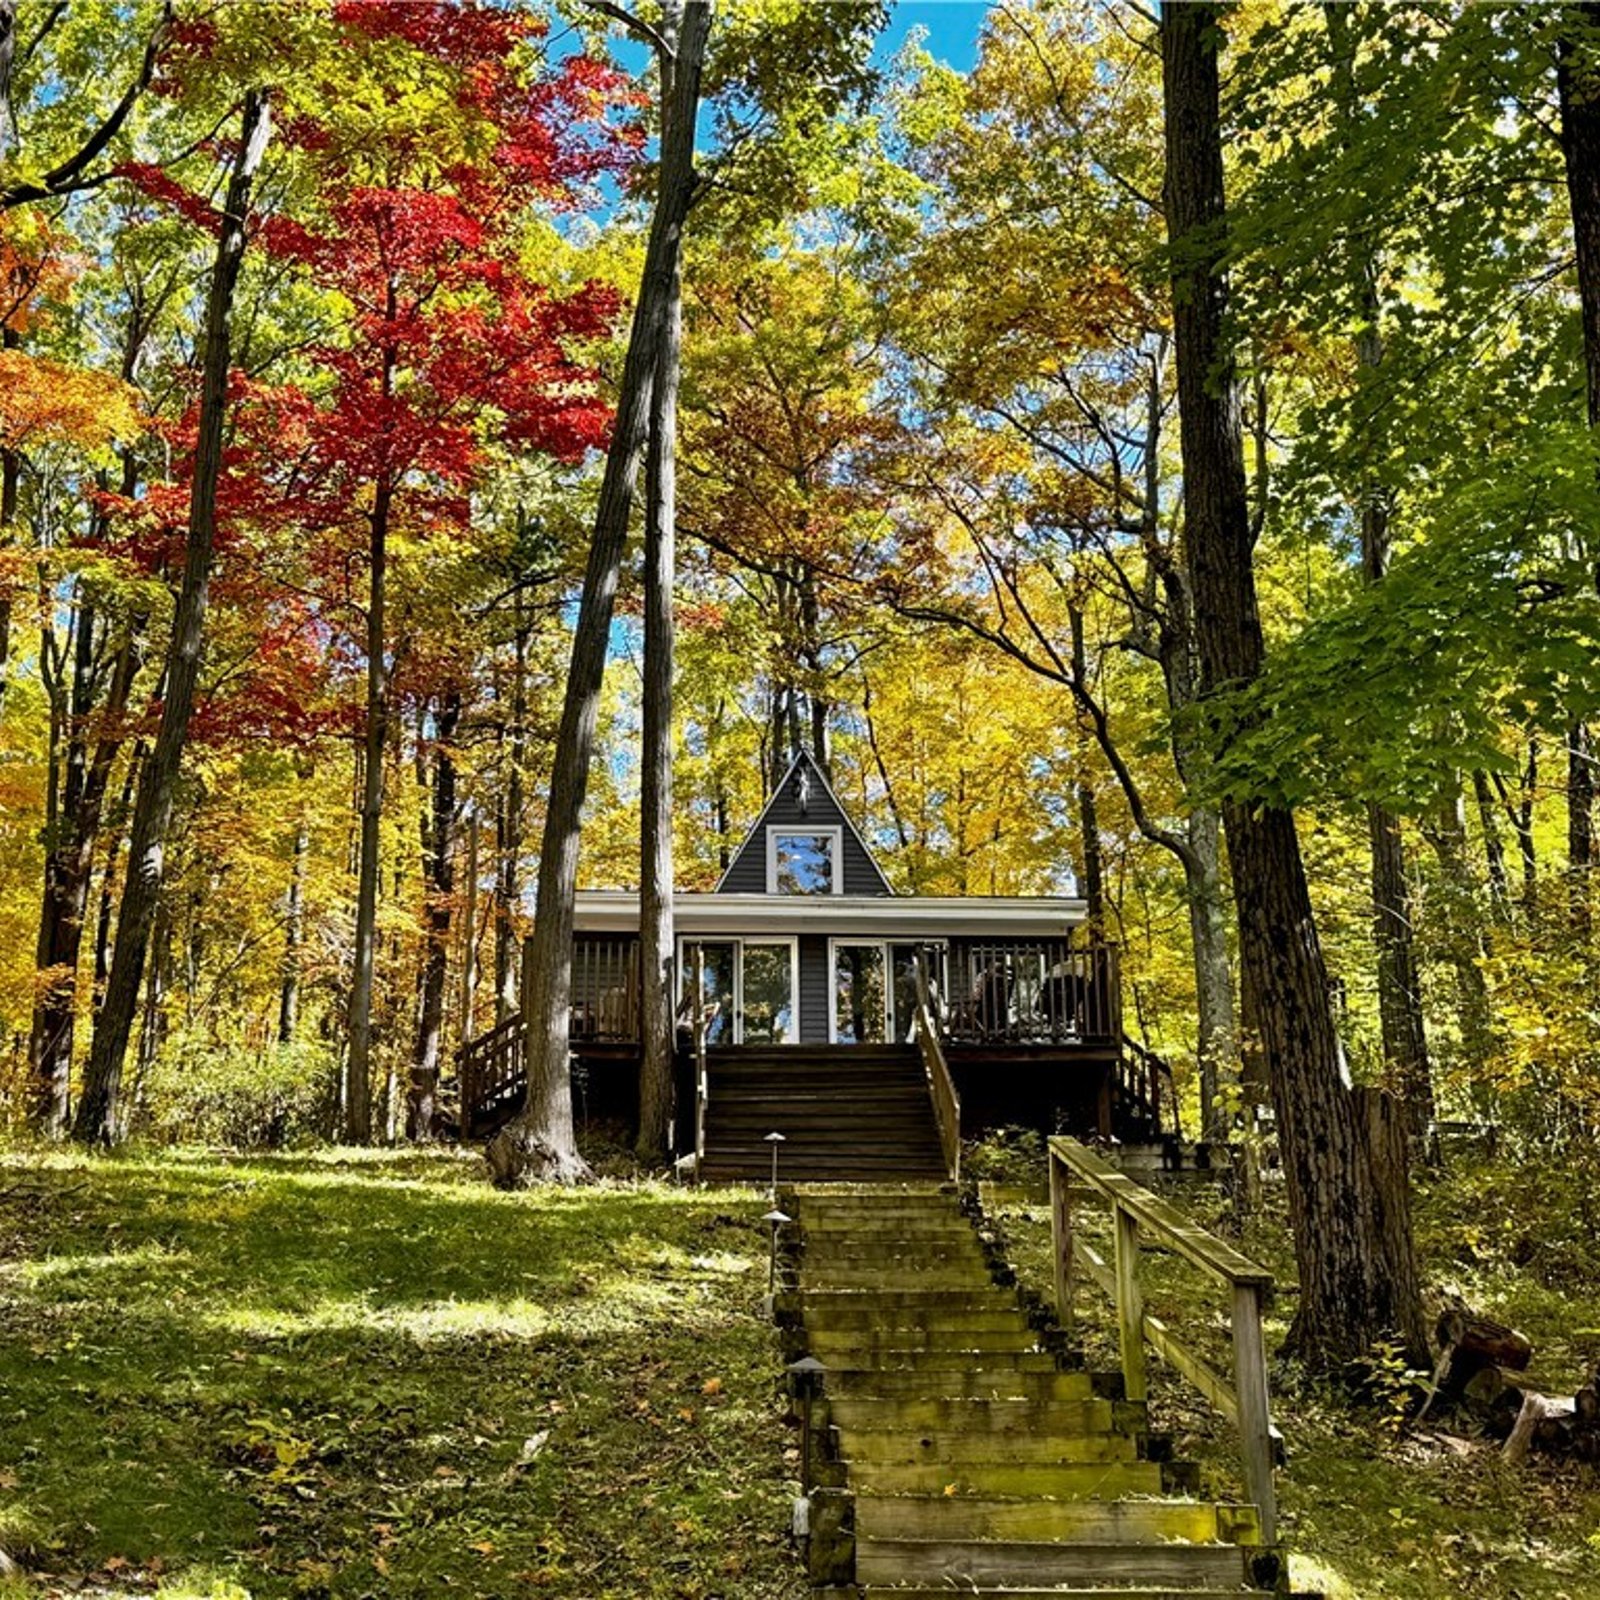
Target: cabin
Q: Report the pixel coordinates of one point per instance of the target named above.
(870, 1029)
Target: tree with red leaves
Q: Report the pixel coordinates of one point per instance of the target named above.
(448, 348)
(440, 351)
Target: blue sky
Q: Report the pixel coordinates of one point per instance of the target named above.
(952, 29)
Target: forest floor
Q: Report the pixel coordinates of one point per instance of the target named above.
(1372, 1507)
(350, 1374)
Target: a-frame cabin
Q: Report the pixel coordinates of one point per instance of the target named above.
(801, 976)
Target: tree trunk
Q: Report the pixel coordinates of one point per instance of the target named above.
(438, 870)
(10, 481)
(656, 956)
(1493, 849)
(294, 920)
(1094, 878)
(1580, 824)
(1217, 1042)
(1350, 1293)
(1460, 921)
(540, 1141)
(97, 1119)
(508, 880)
(1578, 88)
(358, 1070)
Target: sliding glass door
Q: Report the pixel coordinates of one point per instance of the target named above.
(747, 989)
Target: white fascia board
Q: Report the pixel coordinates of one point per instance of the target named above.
(885, 916)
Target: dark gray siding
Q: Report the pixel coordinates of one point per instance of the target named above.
(814, 981)
(748, 872)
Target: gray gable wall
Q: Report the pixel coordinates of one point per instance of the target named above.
(747, 873)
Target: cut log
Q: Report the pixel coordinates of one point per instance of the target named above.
(1476, 1342)
(1539, 1419)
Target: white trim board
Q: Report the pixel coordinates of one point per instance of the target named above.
(895, 917)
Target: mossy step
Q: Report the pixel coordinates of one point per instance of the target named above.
(942, 1451)
(1079, 1480)
(897, 1328)
(1106, 1522)
(1026, 1417)
(1007, 1592)
(1096, 1567)
(973, 1383)
(959, 1357)
(903, 1277)
(907, 1302)
(1002, 1344)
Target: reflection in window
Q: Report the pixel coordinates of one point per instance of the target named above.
(803, 863)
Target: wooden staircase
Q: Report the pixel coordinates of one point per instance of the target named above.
(978, 1462)
(847, 1113)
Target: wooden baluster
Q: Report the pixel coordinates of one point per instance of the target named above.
(1130, 1305)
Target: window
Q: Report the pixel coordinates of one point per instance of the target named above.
(804, 861)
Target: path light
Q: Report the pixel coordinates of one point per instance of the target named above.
(805, 1384)
(774, 1139)
(777, 1219)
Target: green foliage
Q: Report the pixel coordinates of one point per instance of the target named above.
(208, 1090)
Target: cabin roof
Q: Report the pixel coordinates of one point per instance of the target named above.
(885, 916)
(804, 799)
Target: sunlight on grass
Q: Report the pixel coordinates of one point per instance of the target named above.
(341, 1374)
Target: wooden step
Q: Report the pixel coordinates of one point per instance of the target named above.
(1075, 1522)
(1077, 1480)
(982, 1382)
(1096, 1567)
(938, 1450)
(1003, 1417)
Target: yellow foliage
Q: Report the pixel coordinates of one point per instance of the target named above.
(46, 400)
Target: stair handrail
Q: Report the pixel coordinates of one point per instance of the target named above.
(1245, 1400)
(488, 1065)
(941, 1086)
(1156, 1068)
(702, 1084)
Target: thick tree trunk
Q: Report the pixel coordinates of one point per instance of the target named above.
(656, 956)
(540, 1142)
(1350, 1291)
(97, 1118)
(438, 871)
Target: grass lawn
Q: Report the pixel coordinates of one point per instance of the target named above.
(1372, 1510)
(355, 1374)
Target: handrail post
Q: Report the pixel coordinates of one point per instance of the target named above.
(1061, 1238)
(1255, 1417)
(1130, 1304)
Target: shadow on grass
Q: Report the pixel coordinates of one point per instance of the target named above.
(353, 1376)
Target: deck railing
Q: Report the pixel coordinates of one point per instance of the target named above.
(1144, 1083)
(946, 1102)
(494, 1074)
(1034, 991)
(1136, 1212)
(605, 991)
